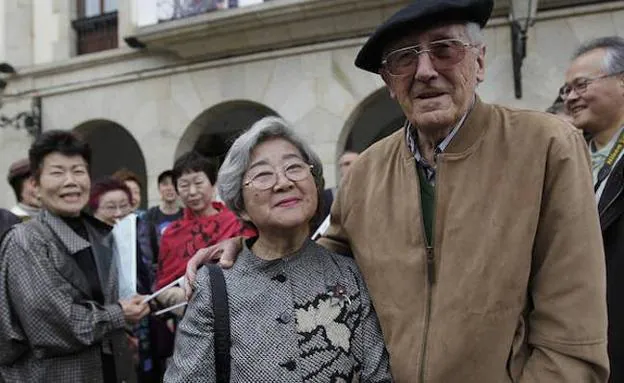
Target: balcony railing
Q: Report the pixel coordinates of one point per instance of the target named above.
(178, 9)
(95, 34)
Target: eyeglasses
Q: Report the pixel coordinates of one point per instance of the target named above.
(579, 86)
(266, 179)
(443, 54)
(112, 209)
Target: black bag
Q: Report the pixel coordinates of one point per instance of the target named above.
(220, 306)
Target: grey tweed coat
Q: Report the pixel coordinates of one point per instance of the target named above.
(51, 329)
(304, 318)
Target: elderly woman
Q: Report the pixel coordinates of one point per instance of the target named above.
(110, 201)
(61, 320)
(297, 312)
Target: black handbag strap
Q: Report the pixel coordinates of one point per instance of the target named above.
(221, 311)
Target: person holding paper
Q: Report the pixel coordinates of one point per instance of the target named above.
(111, 202)
(297, 311)
(61, 319)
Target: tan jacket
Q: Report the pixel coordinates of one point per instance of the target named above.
(516, 287)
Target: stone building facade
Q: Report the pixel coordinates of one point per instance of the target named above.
(196, 82)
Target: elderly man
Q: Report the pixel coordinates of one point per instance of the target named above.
(594, 96)
(474, 225)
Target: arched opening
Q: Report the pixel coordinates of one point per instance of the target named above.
(113, 148)
(374, 118)
(214, 130)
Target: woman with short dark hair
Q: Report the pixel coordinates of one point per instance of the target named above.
(61, 319)
(204, 222)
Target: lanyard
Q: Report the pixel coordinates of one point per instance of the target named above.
(615, 152)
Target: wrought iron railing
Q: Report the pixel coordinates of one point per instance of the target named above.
(179, 9)
(96, 33)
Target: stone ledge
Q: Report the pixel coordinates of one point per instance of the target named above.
(274, 25)
(283, 24)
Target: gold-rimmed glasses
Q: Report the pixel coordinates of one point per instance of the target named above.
(443, 54)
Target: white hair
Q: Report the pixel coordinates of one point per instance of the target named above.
(474, 33)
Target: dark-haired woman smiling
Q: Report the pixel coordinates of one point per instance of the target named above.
(60, 319)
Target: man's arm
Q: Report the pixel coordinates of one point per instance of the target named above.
(568, 323)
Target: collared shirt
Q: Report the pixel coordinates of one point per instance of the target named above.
(412, 143)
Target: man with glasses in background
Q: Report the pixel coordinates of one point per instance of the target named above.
(594, 98)
(474, 225)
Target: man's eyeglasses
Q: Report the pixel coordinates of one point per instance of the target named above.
(579, 86)
(266, 179)
(443, 54)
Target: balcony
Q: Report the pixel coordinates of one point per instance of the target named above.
(196, 32)
(268, 25)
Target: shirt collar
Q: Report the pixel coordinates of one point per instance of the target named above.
(411, 137)
(609, 146)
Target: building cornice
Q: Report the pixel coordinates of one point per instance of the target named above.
(157, 61)
(273, 25)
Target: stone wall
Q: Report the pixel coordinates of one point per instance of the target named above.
(316, 87)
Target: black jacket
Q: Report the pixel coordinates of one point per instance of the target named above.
(611, 211)
(7, 219)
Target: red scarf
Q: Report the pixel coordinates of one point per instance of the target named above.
(184, 237)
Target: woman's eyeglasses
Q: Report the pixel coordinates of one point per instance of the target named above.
(443, 54)
(267, 178)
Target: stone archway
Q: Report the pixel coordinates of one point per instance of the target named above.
(376, 117)
(214, 130)
(113, 148)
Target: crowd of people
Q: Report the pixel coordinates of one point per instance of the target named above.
(478, 243)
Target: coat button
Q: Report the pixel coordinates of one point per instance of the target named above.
(285, 317)
(280, 278)
(289, 365)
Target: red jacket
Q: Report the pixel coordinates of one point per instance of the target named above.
(184, 237)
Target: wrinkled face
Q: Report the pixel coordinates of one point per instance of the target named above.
(345, 162)
(433, 97)
(135, 190)
(196, 191)
(113, 206)
(167, 190)
(600, 105)
(64, 184)
(29, 193)
(287, 205)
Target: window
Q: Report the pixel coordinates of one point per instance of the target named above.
(96, 25)
(91, 8)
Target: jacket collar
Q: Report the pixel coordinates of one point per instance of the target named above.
(72, 241)
(101, 247)
(466, 138)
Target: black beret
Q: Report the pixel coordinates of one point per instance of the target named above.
(420, 14)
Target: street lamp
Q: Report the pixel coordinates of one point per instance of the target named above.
(522, 16)
(30, 120)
